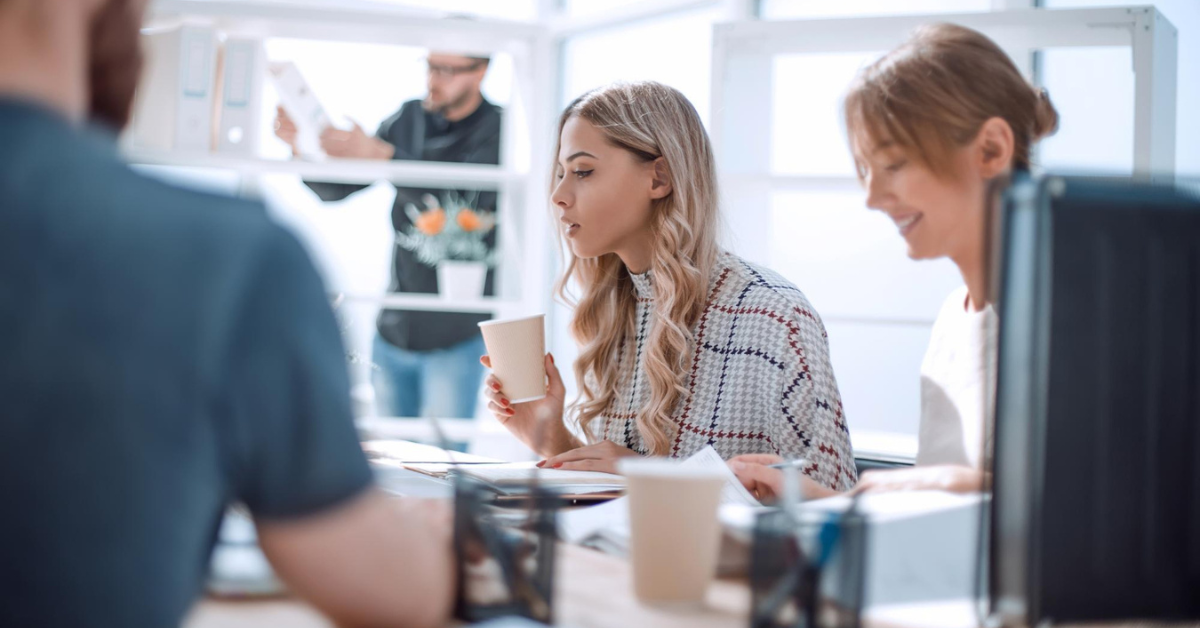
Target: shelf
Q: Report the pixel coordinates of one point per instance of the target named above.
(414, 173)
(348, 20)
(1035, 29)
(431, 303)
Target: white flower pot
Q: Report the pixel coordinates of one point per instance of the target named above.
(461, 281)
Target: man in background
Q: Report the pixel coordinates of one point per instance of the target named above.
(428, 361)
(166, 353)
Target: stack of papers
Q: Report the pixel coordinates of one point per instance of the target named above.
(522, 474)
(505, 477)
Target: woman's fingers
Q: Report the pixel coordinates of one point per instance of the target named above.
(497, 396)
(501, 411)
(763, 480)
(589, 452)
(601, 466)
(493, 389)
(554, 383)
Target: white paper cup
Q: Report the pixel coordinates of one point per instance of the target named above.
(517, 349)
(675, 533)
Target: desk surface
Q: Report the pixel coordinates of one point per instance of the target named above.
(593, 590)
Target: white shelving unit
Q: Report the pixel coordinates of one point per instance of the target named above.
(426, 174)
(522, 276)
(432, 303)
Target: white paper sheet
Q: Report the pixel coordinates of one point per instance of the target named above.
(734, 492)
(523, 472)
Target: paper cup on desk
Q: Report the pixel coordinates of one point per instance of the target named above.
(674, 530)
(517, 348)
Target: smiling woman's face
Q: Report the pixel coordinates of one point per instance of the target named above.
(602, 194)
(937, 216)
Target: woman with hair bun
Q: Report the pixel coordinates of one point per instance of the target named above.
(682, 345)
(936, 128)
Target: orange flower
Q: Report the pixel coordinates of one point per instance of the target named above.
(469, 220)
(432, 222)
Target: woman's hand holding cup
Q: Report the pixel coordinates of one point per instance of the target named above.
(538, 423)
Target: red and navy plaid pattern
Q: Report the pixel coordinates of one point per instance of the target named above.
(759, 380)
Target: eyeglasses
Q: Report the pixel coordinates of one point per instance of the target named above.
(450, 71)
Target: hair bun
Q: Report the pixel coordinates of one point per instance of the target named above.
(1045, 119)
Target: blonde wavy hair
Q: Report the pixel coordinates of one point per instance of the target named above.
(650, 120)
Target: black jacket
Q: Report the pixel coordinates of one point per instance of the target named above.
(422, 136)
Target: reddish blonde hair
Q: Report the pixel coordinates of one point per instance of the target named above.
(933, 94)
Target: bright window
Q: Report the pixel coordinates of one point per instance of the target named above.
(808, 136)
(1091, 129)
(675, 49)
(1092, 88)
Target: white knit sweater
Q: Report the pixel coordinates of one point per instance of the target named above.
(759, 379)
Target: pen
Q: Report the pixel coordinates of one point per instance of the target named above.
(795, 464)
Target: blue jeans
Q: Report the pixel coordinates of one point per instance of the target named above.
(443, 383)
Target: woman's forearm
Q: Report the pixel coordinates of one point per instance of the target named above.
(561, 441)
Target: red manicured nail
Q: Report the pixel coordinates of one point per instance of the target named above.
(557, 465)
(540, 463)
(496, 387)
(504, 401)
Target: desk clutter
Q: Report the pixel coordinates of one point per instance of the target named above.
(897, 560)
(820, 565)
(507, 480)
(506, 568)
(923, 546)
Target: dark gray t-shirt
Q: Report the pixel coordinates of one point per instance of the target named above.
(162, 354)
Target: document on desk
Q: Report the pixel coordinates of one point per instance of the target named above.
(734, 492)
(610, 521)
(524, 473)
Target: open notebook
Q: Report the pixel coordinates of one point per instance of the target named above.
(505, 476)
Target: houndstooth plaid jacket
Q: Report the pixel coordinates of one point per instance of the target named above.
(759, 379)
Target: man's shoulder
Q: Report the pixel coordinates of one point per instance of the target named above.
(192, 217)
(76, 180)
(176, 231)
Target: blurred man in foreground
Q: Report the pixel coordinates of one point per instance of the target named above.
(166, 353)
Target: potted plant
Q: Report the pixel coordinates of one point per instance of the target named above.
(449, 235)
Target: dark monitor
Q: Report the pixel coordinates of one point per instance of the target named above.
(1096, 462)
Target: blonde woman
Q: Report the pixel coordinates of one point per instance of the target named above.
(936, 126)
(682, 344)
